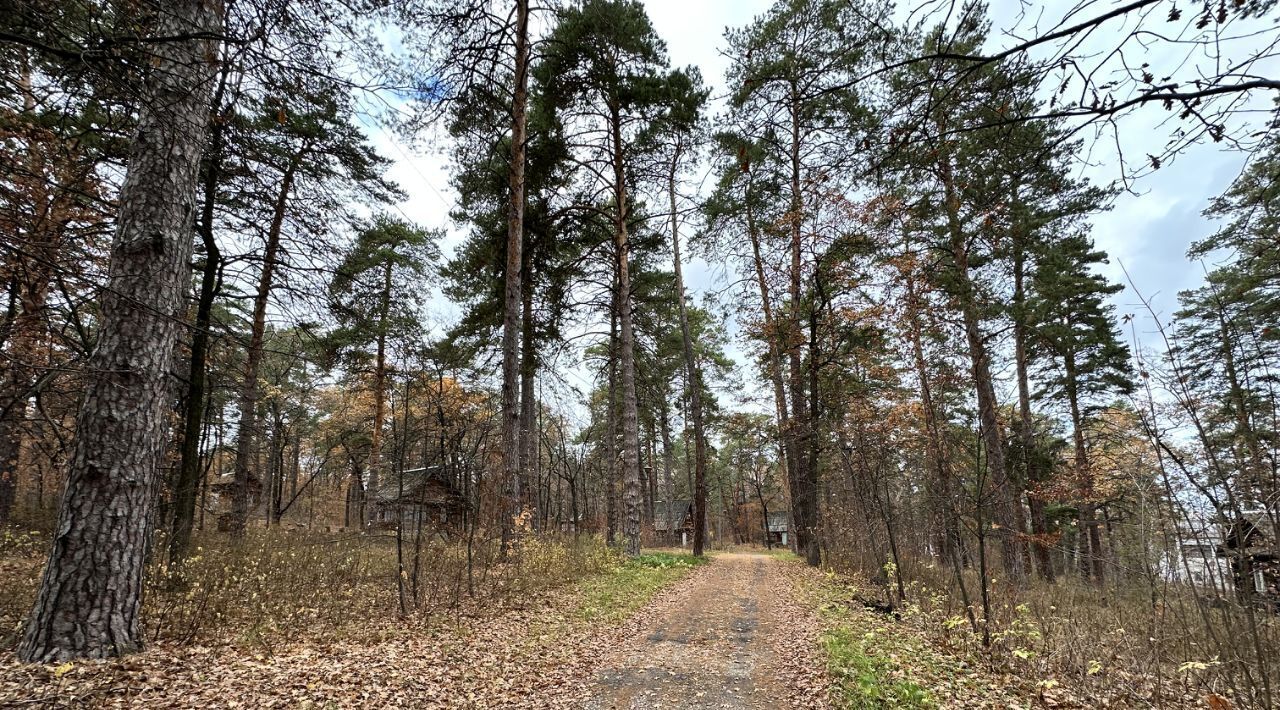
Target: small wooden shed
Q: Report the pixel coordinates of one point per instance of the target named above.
(417, 496)
(673, 521)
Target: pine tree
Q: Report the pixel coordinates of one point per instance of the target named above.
(1082, 360)
(91, 591)
(375, 297)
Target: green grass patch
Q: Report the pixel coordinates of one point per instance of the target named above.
(863, 680)
(870, 664)
(615, 594)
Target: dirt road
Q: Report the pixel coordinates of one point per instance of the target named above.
(731, 638)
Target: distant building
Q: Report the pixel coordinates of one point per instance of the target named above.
(419, 496)
(1239, 557)
(673, 521)
(779, 527)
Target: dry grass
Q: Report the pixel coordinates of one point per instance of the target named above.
(1130, 642)
(278, 586)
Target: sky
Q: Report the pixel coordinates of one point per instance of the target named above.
(1147, 231)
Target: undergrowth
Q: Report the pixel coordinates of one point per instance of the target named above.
(865, 680)
(864, 662)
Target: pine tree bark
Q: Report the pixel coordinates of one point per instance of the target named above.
(91, 590)
(511, 306)
(246, 426)
(693, 376)
(626, 351)
(188, 479)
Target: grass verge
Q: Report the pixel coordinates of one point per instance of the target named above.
(866, 661)
(614, 595)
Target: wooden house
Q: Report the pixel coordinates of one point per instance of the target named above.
(779, 527)
(673, 521)
(1252, 551)
(419, 496)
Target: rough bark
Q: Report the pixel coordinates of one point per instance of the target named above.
(693, 376)
(626, 352)
(91, 590)
(511, 305)
(187, 482)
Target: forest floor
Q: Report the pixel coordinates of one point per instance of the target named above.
(744, 631)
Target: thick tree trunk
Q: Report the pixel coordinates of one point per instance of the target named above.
(511, 305)
(187, 482)
(246, 427)
(693, 376)
(626, 353)
(805, 486)
(91, 590)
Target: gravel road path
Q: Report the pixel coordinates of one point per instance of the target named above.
(731, 638)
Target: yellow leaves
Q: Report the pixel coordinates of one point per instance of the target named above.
(63, 669)
(1095, 667)
(1196, 666)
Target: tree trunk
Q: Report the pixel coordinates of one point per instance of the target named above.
(379, 384)
(187, 482)
(246, 427)
(1091, 562)
(611, 429)
(528, 400)
(693, 375)
(1006, 511)
(511, 305)
(1031, 472)
(949, 541)
(804, 489)
(91, 590)
(626, 353)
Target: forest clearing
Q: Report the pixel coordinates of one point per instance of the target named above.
(640, 353)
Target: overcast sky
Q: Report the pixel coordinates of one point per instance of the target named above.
(1148, 230)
